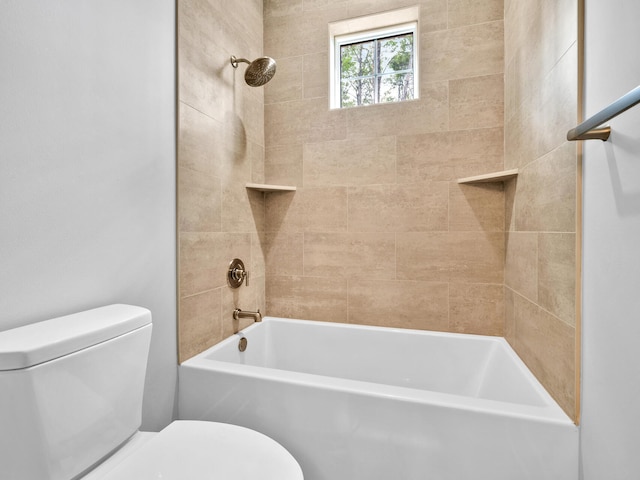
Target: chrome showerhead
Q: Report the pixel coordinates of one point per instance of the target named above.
(259, 72)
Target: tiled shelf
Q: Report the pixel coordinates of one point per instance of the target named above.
(262, 187)
(491, 177)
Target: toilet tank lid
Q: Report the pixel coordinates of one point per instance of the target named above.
(40, 342)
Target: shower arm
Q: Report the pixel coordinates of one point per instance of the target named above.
(235, 61)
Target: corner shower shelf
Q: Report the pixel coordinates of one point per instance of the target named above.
(501, 176)
(262, 187)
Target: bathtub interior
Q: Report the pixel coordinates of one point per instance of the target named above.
(466, 365)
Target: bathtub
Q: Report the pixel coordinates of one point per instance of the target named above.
(369, 403)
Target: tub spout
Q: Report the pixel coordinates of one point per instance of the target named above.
(238, 314)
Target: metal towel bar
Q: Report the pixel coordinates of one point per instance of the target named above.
(588, 130)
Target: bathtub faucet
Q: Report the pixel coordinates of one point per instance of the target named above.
(238, 314)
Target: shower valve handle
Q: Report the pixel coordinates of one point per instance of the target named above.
(237, 274)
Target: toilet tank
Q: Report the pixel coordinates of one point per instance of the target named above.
(71, 390)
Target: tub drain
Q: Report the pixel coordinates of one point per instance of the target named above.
(242, 344)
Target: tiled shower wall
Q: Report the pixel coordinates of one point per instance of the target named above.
(541, 104)
(379, 232)
(220, 148)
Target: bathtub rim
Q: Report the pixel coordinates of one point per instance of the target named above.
(550, 412)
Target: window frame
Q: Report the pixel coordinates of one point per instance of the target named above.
(363, 29)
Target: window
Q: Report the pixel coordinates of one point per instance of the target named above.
(377, 65)
(376, 71)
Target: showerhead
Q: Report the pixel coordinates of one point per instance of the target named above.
(259, 72)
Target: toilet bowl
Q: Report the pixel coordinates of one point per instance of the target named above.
(70, 408)
(188, 450)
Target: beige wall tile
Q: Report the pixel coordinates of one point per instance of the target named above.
(314, 209)
(557, 26)
(280, 8)
(247, 115)
(314, 5)
(324, 124)
(350, 162)
(428, 114)
(284, 35)
(525, 70)
(315, 71)
(476, 308)
(521, 265)
(204, 259)
(283, 165)
(197, 60)
(199, 140)
(408, 208)
(477, 257)
(308, 298)
(559, 102)
(512, 95)
(300, 33)
(462, 52)
(308, 120)
(367, 7)
(237, 159)
(200, 323)
(541, 99)
(509, 316)
(284, 211)
(256, 156)
(208, 34)
(433, 15)
(325, 209)
(448, 156)
(404, 304)
(316, 38)
(518, 19)
(281, 130)
(200, 202)
(557, 275)
(283, 253)
(196, 259)
(515, 142)
(372, 256)
(326, 255)
(258, 263)
(476, 207)
(242, 209)
(547, 346)
(469, 12)
(546, 192)
(286, 85)
(509, 204)
(423, 256)
(349, 255)
(476, 102)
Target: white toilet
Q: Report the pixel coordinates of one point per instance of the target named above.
(70, 407)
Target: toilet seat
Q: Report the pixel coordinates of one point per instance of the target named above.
(190, 450)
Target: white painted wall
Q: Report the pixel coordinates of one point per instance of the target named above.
(611, 253)
(87, 168)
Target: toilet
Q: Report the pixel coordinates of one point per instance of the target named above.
(71, 402)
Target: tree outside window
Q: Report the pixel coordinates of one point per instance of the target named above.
(377, 71)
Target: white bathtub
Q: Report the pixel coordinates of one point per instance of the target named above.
(368, 403)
